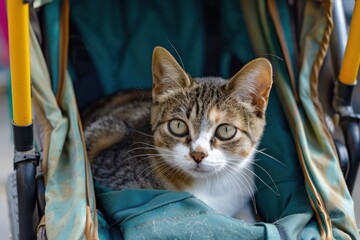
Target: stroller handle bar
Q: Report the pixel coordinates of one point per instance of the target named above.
(24, 157)
(350, 65)
(19, 46)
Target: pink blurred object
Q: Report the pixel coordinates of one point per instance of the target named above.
(4, 43)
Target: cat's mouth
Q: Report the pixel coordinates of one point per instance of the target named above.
(201, 170)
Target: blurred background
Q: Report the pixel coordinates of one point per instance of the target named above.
(6, 146)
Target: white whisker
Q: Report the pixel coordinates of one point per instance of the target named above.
(269, 156)
(276, 191)
(137, 131)
(246, 184)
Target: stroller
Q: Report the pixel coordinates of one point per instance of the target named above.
(82, 50)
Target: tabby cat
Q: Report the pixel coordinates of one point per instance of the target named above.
(190, 134)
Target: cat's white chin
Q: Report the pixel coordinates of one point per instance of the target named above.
(203, 171)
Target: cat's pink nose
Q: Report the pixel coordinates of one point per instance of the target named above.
(198, 156)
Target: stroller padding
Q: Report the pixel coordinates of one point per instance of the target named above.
(160, 214)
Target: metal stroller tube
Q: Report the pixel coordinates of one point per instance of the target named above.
(24, 158)
(349, 120)
(18, 14)
(350, 65)
(350, 125)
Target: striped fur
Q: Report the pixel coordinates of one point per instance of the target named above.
(126, 153)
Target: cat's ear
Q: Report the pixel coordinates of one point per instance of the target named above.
(253, 83)
(167, 74)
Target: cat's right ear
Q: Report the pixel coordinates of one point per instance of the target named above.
(167, 74)
(253, 83)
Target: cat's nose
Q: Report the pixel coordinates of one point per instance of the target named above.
(198, 156)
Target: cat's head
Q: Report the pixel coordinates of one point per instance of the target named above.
(203, 125)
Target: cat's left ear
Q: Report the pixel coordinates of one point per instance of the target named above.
(253, 83)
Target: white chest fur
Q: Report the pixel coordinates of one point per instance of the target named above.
(229, 193)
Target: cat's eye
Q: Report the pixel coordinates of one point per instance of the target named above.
(178, 128)
(225, 132)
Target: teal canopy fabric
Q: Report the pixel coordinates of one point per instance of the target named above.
(121, 35)
(68, 197)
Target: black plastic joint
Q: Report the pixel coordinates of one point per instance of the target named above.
(343, 94)
(24, 156)
(23, 138)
